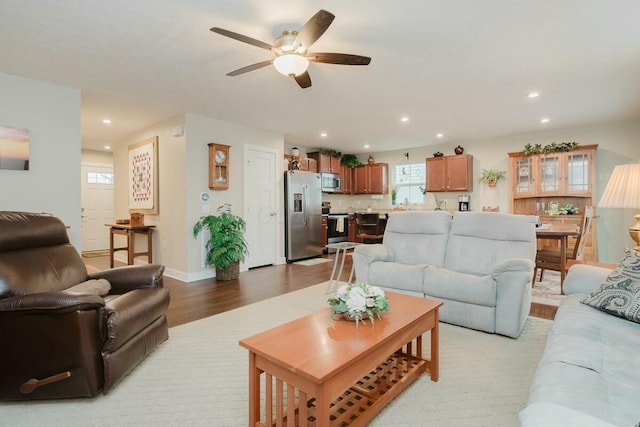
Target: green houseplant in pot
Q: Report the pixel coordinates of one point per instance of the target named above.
(492, 176)
(226, 247)
(394, 194)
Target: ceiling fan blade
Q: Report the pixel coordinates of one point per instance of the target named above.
(339, 58)
(303, 80)
(313, 29)
(242, 38)
(251, 67)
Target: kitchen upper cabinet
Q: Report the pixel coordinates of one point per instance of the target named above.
(371, 179)
(450, 173)
(326, 163)
(304, 163)
(346, 176)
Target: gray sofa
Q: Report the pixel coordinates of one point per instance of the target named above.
(480, 264)
(589, 373)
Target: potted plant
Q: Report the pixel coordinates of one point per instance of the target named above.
(492, 176)
(350, 160)
(394, 194)
(226, 246)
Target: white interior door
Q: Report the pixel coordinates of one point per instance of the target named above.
(260, 205)
(97, 206)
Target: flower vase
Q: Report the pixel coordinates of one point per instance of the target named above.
(347, 316)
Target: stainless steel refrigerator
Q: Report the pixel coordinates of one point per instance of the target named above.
(303, 212)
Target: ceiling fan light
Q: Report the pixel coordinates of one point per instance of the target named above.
(291, 64)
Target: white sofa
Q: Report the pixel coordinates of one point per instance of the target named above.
(589, 373)
(480, 264)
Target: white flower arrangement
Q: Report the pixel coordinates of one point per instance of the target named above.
(359, 301)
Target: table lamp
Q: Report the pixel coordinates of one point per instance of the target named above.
(623, 191)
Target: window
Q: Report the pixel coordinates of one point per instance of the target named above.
(99, 178)
(409, 179)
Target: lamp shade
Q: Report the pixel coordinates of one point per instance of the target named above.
(623, 188)
(291, 64)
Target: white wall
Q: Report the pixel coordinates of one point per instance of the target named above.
(52, 183)
(201, 131)
(618, 143)
(169, 246)
(97, 157)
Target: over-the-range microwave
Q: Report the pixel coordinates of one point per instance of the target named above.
(330, 182)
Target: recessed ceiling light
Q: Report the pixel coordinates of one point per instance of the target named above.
(323, 134)
(106, 121)
(404, 119)
(533, 95)
(439, 135)
(107, 147)
(545, 120)
(366, 146)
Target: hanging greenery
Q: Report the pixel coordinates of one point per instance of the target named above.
(554, 147)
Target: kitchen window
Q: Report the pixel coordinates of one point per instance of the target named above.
(408, 180)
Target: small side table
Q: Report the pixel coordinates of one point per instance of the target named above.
(130, 231)
(336, 273)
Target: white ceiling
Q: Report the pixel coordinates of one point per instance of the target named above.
(459, 67)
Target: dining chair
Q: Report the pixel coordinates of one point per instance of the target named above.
(370, 227)
(548, 257)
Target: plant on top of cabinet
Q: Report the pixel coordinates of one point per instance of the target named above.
(350, 160)
(554, 147)
(491, 176)
(329, 152)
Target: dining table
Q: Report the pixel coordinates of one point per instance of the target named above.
(561, 233)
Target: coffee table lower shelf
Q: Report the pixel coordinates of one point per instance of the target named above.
(358, 405)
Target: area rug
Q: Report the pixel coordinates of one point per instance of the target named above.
(199, 377)
(548, 290)
(312, 261)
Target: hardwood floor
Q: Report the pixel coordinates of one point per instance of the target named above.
(196, 300)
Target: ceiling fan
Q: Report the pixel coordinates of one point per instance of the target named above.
(291, 50)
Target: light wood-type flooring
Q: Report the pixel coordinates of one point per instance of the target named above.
(196, 300)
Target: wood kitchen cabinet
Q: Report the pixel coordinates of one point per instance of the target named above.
(352, 228)
(450, 173)
(371, 179)
(304, 163)
(325, 233)
(326, 163)
(346, 176)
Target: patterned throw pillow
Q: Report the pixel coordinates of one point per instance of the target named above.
(619, 294)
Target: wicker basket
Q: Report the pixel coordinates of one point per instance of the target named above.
(230, 273)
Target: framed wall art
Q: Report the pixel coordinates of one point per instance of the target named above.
(143, 176)
(14, 148)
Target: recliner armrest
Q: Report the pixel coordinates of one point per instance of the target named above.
(128, 278)
(130, 313)
(50, 302)
(510, 265)
(584, 279)
(375, 252)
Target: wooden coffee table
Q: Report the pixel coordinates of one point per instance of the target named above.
(327, 372)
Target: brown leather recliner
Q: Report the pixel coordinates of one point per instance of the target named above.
(58, 342)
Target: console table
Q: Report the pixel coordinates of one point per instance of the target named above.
(130, 231)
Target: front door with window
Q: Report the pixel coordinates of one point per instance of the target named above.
(97, 206)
